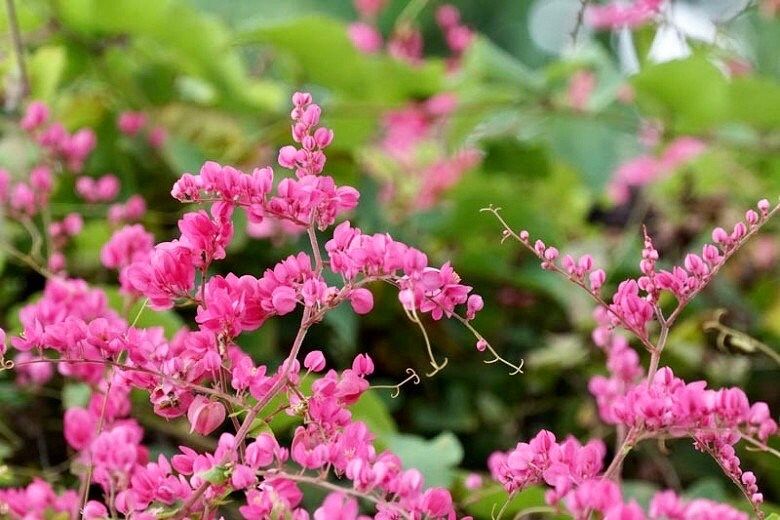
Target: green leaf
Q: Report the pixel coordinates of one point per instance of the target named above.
(46, 67)
(639, 490)
(170, 321)
(339, 66)
(344, 322)
(372, 410)
(592, 147)
(494, 496)
(197, 43)
(75, 394)
(693, 93)
(436, 458)
(86, 245)
(216, 475)
(755, 101)
(709, 488)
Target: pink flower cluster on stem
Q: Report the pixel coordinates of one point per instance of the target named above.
(202, 375)
(644, 405)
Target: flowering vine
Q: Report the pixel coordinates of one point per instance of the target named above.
(202, 374)
(643, 404)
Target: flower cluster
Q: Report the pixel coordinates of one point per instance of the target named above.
(312, 198)
(615, 15)
(104, 189)
(406, 42)
(72, 149)
(202, 375)
(410, 158)
(132, 123)
(643, 405)
(645, 169)
(27, 201)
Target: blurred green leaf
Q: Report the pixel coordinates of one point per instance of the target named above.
(75, 394)
(86, 246)
(436, 458)
(337, 65)
(692, 93)
(492, 498)
(755, 101)
(372, 410)
(591, 147)
(710, 488)
(46, 67)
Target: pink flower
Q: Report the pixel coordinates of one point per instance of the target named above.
(616, 15)
(157, 137)
(205, 415)
(473, 305)
(79, 427)
(437, 503)
(103, 189)
(369, 8)
(365, 37)
(35, 116)
(262, 451)
(126, 246)
(362, 300)
(681, 151)
(337, 506)
(168, 274)
(207, 237)
(581, 87)
(447, 15)
(130, 123)
(76, 148)
(314, 361)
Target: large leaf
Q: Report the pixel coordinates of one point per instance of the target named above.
(592, 147)
(46, 67)
(755, 101)
(693, 92)
(328, 58)
(436, 458)
(172, 30)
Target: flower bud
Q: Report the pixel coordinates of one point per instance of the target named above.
(363, 365)
(204, 415)
(362, 300)
(314, 361)
(286, 157)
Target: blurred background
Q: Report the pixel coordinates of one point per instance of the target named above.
(580, 136)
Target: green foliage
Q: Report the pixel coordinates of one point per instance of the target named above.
(436, 458)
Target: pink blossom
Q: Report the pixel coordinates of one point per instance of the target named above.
(36, 115)
(362, 300)
(168, 274)
(616, 14)
(205, 415)
(314, 361)
(80, 427)
(157, 137)
(130, 123)
(103, 189)
(581, 87)
(365, 37)
(369, 8)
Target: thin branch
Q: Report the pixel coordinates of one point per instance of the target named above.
(508, 232)
(16, 40)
